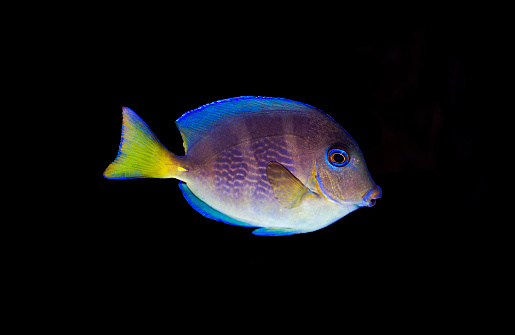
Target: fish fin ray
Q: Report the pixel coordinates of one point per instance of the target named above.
(140, 154)
(276, 231)
(206, 210)
(288, 189)
(196, 123)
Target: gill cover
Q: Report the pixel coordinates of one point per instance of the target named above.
(342, 174)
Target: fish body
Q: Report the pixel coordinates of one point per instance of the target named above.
(276, 164)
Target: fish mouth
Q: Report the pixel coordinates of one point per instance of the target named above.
(369, 199)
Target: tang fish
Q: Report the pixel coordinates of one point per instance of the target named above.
(282, 166)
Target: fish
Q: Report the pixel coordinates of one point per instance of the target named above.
(280, 166)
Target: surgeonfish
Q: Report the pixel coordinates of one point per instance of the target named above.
(282, 166)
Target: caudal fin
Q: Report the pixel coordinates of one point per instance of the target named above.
(141, 155)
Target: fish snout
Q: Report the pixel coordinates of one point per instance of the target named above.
(369, 199)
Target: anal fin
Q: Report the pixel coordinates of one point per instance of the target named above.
(206, 210)
(276, 231)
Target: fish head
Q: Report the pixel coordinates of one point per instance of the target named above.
(341, 172)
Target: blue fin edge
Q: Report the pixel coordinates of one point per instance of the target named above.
(206, 210)
(245, 97)
(194, 124)
(276, 231)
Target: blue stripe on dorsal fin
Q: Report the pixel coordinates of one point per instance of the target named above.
(194, 124)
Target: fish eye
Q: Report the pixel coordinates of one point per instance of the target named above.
(338, 155)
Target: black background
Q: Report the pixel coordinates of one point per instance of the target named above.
(416, 94)
(405, 95)
(409, 96)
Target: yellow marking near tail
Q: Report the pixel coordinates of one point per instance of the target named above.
(141, 155)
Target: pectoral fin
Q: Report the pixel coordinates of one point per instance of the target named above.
(288, 190)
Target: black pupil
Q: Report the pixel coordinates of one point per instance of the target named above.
(338, 158)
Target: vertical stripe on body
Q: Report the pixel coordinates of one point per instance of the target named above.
(239, 173)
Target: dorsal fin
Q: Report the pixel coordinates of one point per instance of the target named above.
(194, 124)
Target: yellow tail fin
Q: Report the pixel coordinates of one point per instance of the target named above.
(141, 155)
